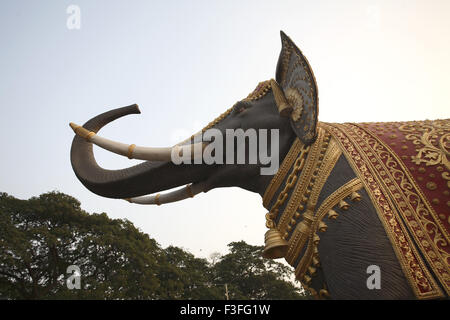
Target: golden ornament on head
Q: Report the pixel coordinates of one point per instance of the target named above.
(295, 100)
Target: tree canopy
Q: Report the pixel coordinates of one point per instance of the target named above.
(42, 236)
(249, 275)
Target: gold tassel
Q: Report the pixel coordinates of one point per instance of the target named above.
(343, 205)
(322, 226)
(316, 252)
(332, 214)
(324, 294)
(355, 196)
(315, 262)
(307, 279)
(316, 239)
(312, 271)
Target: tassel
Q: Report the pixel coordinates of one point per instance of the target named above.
(332, 214)
(307, 279)
(316, 239)
(312, 271)
(322, 226)
(355, 197)
(343, 205)
(315, 262)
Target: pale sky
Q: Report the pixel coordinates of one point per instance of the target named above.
(184, 63)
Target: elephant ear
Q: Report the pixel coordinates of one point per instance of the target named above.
(295, 77)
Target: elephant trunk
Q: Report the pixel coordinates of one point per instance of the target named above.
(142, 179)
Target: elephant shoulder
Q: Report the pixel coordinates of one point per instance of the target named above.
(354, 244)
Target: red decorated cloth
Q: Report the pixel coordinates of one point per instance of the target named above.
(405, 168)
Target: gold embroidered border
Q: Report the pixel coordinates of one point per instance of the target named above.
(419, 277)
(302, 182)
(410, 203)
(423, 134)
(430, 151)
(286, 165)
(298, 238)
(331, 201)
(329, 161)
(424, 208)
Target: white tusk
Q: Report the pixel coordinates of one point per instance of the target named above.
(188, 191)
(188, 140)
(135, 152)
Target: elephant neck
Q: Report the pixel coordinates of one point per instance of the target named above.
(291, 188)
(293, 161)
(298, 205)
(292, 196)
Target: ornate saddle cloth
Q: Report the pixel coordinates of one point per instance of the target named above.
(405, 168)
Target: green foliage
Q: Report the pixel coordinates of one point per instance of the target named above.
(188, 277)
(250, 276)
(42, 236)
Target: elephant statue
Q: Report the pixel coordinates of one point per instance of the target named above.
(359, 210)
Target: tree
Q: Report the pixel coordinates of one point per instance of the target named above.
(250, 276)
(42, 236)
(188, 277)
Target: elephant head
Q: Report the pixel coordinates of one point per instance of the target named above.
(285, 107)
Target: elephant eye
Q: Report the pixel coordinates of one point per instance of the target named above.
(241, 106)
